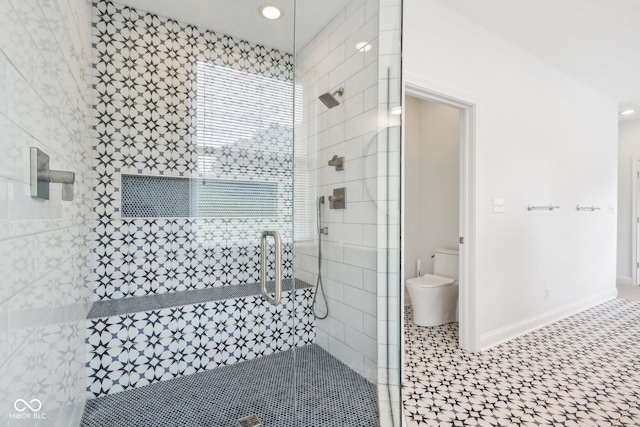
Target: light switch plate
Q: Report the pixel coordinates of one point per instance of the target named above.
(498, 205)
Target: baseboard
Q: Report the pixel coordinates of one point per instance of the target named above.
(507, 333)
(624, 280)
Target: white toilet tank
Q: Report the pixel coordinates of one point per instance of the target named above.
(445, 263)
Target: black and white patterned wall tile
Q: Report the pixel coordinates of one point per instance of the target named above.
(137, 349)
(148, 103)
(145, 257)
(580, 371)
(167, 106)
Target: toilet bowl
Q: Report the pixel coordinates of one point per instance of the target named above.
(434, 297)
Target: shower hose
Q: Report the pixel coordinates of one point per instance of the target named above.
(319, 286)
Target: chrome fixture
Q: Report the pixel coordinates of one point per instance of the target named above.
(41, 176)
(275, 299)
(319, 285)
(338, 162)
(329, 98)
(538, 208)
(321, 229)
(587, 208)
(339, 198)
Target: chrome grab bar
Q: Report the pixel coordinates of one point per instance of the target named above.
(275, 299)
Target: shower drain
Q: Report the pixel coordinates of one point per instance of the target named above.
(250, 421)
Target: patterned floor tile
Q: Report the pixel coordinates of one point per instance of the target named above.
(581, 371)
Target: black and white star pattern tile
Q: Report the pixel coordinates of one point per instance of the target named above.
(578, 372)
(147, 129)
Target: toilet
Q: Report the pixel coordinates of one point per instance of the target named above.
(434, 297)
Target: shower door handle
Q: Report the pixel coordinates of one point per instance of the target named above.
(275, 299)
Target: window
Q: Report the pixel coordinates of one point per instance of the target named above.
(244, 143)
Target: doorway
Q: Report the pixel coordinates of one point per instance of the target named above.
(432, 151)
(635, 185)
(420, 92)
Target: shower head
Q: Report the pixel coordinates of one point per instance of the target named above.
(329, 99)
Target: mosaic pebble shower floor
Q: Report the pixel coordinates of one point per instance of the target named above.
(327, 393)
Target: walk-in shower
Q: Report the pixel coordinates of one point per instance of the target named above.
(176, 282)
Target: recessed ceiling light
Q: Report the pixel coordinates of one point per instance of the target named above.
(270, 12)
(626, 112)
(363, 47)
(396, 110)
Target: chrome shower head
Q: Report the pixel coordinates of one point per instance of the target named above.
(329, 99)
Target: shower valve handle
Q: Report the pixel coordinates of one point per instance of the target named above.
(338, 199)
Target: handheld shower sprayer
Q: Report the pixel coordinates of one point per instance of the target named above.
(319, 285)
(321, 230)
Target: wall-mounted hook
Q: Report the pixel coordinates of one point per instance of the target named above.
(41, 176)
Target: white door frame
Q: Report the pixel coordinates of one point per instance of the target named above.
(468, 336)
(635, 214)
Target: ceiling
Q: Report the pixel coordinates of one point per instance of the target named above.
(595, 41)
(240, 18)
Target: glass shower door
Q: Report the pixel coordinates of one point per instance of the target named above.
(209, 135)
(346, 148)
(244, 134)
(194, 161)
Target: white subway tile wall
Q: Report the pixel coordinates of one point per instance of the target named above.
(45, 102)
(331, 60)
(386, 187)
(361, 251)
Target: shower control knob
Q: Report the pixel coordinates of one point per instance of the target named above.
(338, 199)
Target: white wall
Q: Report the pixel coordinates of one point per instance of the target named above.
(432, 156)
(45, 66)
(541, 138)
(348, 130)
(628, 149)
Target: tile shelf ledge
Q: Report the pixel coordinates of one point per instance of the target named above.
(116, 307)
